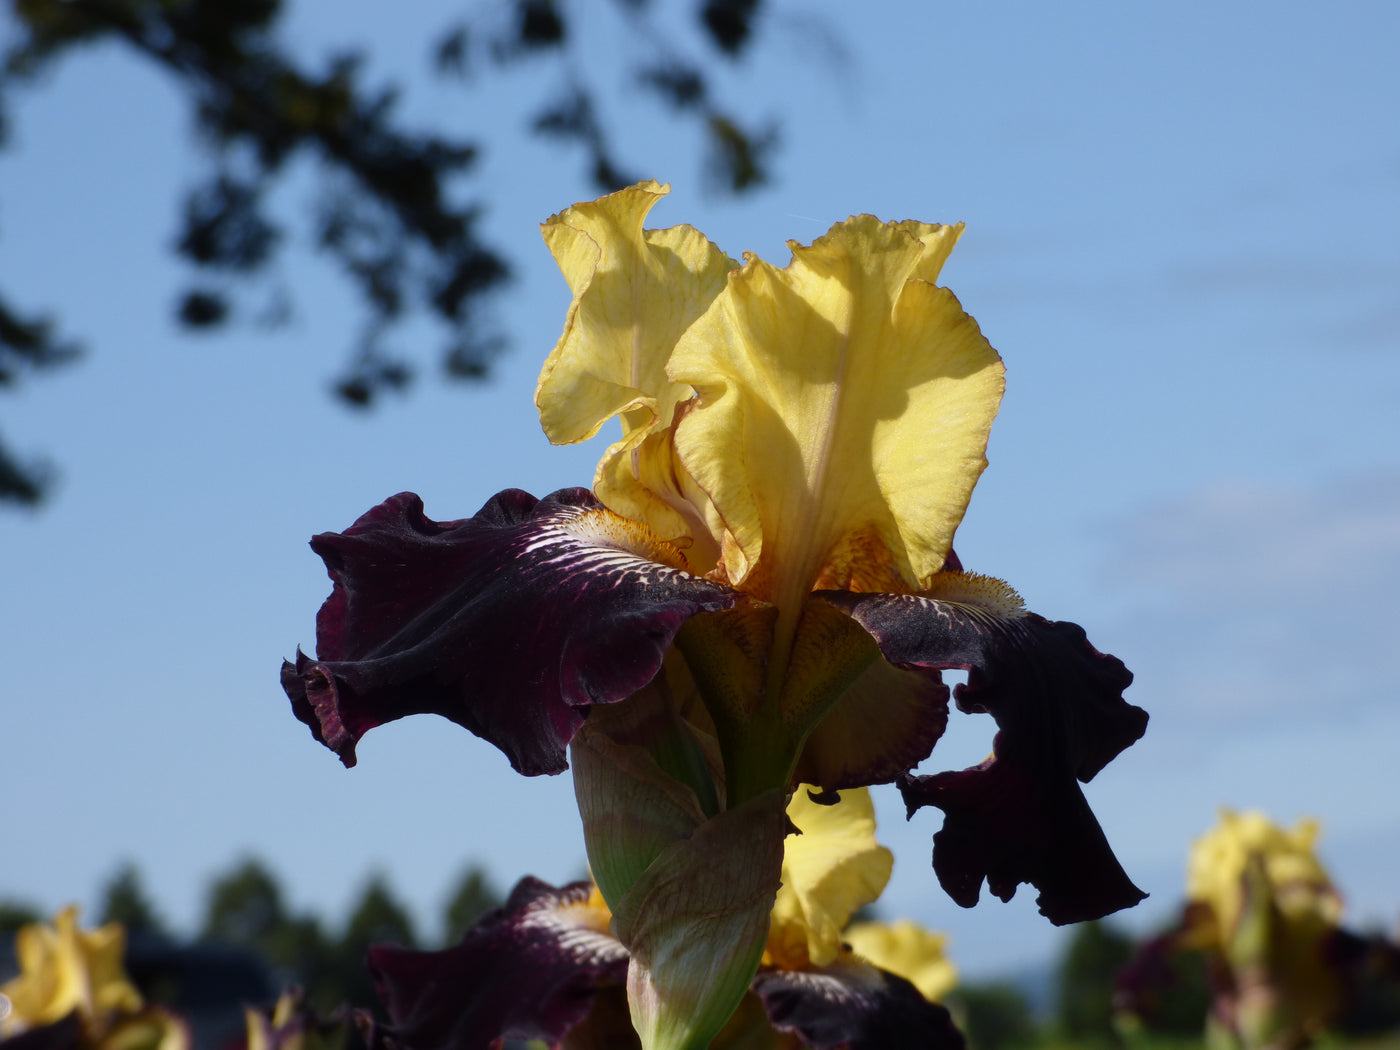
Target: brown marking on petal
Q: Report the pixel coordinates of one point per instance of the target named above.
(830, 651)
(861, 561)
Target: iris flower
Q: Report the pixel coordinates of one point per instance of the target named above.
(1263, 908)
(545, 966)
(73, 992)
(759, 590)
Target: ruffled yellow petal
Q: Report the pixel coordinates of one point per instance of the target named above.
(635, 292)
(844, 408)
(830, 871)
(1299, 885)
(907, 949)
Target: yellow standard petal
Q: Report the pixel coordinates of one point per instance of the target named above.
(635, 292)
(830, 871)
(844, 408)
(907, 949)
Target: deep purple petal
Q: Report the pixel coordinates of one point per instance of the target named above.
(528, 970)
(1020, 816)
(851, 1005)
(510, 623)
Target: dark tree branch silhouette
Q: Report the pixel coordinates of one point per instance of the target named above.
(389, 212)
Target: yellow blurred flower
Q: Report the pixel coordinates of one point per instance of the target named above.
(1261, 902)
(290, 1024)
(67, 970)
(64, 968)
(1298, 884)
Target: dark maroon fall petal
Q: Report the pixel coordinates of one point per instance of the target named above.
(528, 970)
(510, 623)
(1019, 816)
(851, 1005)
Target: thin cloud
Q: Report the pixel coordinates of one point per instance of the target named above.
(1250, 601)
(1282, 276)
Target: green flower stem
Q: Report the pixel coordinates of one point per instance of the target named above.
(759, 755)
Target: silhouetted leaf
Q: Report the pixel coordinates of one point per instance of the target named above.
(25, 483)
(451, 54)
(540, 24)
(568, 117)
(223, 227)
(737, 159)
(29, 344)
(681, 86)
(203, 309)
(730, 22)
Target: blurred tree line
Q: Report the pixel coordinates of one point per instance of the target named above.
(1082, 1011)
(245, 910)
(1077, 1007)
(395, 211)
(251, 945)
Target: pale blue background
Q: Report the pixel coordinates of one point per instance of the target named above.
(1183, 236)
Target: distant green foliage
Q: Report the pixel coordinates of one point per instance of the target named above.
(993, 1016)
(1180, 1006)
(377, 918)
(474, 895)
(1087, 974)
(124, 900)
(245, 907)
(14, 914)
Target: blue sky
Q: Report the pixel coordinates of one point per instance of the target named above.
(1183, 235)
